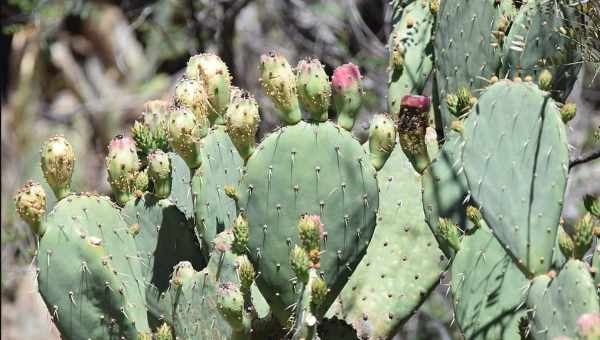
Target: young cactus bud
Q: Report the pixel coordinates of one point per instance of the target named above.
(214, 74)
(592, 205)
(545, 80)
(318, 293)
(311, 231)
(242, 120)
(300, 263)
(382, 139)
(182, 272)
(159, 171)
(565, 243)
(314, 90)
(30, 203)
(246, 273)
(241, 233)
(142, 181)
(449, 232)
(347, 94)
(567, 112)
(164, 332)
(588, 326)
(184, 136)
(474, 215)
(583, 236)
(122, 165)
(230, 303)
(461, 102)
(412, 127)
(397, 51)
(191, 94)
(279, 83)
(58, 162)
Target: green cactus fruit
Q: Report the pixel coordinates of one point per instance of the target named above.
(487, 288)
(184, 136)
(567, 112)
(450, 232)
(592, 204)
(240, 235)
(460, 103)
(318, 292)
(474, 215)
(246, 273)
(279, 83)
(230, 304)
(311, 232)
(30, 203)
(164, 332)
(346, 84)
(58, 162)
(214, 74)
(122, 164)
(300, 263)
(191, 94)
(583, 236)
(557, 302)
(242, 120)
(314, 90)
(90, 275)
(382, 139)
(382, 294)
(231, 192)
(512, 154)
(445, 190)
(221, 167)
(159, 171)
(565, 243)
(141, 181)
(411, 53)
(545, 80)
(412, 125)
(327, 174)
(151, 133)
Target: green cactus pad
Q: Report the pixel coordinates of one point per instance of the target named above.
(445, 190)
(89, 273)
(403, 263)
(464, 47)
(596, 265)
(315, 169)
(556, 304)
(515, 159)
(487, 288)
(411, 54)
(181, 190)
(164, 237)
(538, 41)
(221, 167)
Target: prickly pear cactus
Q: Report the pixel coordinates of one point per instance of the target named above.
(557, 301)
(90, 274)
(488, 290)
(381, 295)
(512, 154)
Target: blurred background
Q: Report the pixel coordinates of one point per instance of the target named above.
(85, 68)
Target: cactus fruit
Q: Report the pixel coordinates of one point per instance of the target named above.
(141, 182)
(242, 120)
(583, 235)
(565, 243)
(159, 171)
(592, 205)
(347, 94)
(230, 304)
(185, 132)
(213, 74)
(122, 164)
(300, 263)
(412, 125)
(382, 139)
(191, 94)
(240, 236)
(514, 155)
(314, 90)
(151, 133)
(450, 233)
(474, 215)
(30, 202)
(411, 53)
(567, 112)
(58, 163)
(279, 83)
